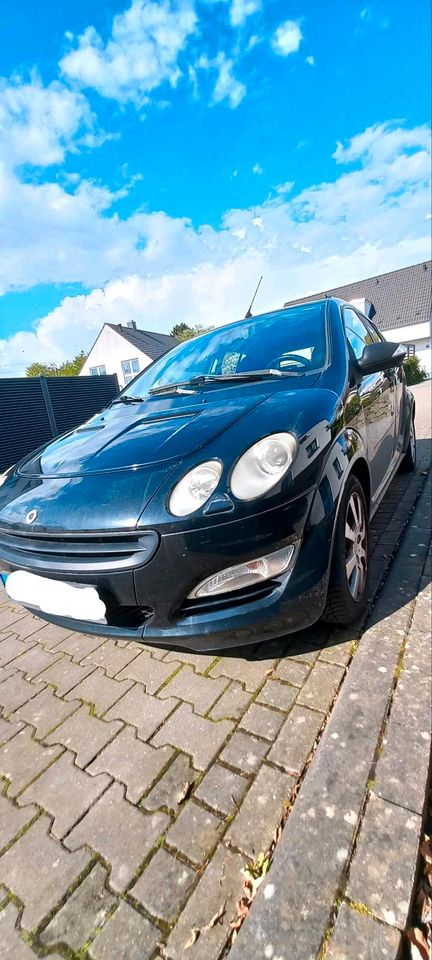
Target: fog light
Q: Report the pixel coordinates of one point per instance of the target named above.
(246, 574)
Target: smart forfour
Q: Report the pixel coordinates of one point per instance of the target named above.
(224, 497)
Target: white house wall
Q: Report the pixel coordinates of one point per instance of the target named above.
(109, 351)
(420, 335)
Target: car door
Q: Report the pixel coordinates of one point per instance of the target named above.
(377, 394)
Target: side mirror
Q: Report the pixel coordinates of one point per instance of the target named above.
(381, 356)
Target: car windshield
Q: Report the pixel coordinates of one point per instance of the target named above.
(292, 342)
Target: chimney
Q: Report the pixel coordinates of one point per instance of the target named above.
(131, 324)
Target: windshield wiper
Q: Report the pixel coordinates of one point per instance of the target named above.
(128, 399)
(204, 378)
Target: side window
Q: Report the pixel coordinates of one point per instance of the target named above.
(374, 332)
(356, 333)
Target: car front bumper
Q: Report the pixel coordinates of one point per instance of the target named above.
(145, 577)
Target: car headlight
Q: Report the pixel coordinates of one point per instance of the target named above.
(195, 488)
(4, 476)
(263, 465)
(246, 574)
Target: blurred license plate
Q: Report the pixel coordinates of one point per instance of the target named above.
(54, 596)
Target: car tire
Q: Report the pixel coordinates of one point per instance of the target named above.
(347, 594)
(408, 463)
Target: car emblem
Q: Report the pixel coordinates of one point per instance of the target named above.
(31, 516)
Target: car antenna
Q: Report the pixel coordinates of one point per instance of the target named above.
(248, 312)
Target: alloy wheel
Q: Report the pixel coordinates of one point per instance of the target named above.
(356, 546)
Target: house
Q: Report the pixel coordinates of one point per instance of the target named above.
(125, 350)
(402, 301)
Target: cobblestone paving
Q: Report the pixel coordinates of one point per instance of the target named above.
(136, 783)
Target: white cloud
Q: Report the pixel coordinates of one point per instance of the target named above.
(242, 9)
(368, 16)
(302, 242)
(226, 87)
(287, 38)
(142, 53)
(257, 168)
(39, 124)
(310, 61)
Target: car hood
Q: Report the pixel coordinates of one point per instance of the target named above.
(124, 436)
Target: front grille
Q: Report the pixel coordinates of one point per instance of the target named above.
(78, 553)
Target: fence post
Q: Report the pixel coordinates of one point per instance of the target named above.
(49, 406)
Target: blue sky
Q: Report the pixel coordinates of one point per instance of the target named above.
(156, 157)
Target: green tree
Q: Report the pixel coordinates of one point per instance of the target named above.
(70, 368)
(182, 331)
(413, 371)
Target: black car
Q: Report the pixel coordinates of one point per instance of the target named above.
(224, 497)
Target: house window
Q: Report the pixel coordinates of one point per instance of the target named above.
(130, 369)
(410, 349)
(98, 371)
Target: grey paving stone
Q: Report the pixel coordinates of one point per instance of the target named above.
(64, 674)
(170, 787)
(110, 657)
(13, 947)
(262, 722)
(99, 690)
(195, 833)
(149, 672)
(126, 936)
(84, 911)
(46, 711)
(220, 886)
(33, 660)
(388, 835)
(77, 645)
(292, 672)
(12, 820)
(11, 647)
(27, 628)
(251, 673)
(142, 711)
(84, 734)
(222, 789)
(339, 650)
(279, 695)
(64, 791)
(402, 769)
(34, 856)
(120, 832)
(232, 704)
(357, 936)
(11, 614)
(164, 886)
(199, 661)
(244, 752)
(296, 739)
(133, 762)
(253, 828)
(192, 734)
(321, 685)
(15, 691)
(22, 759)
(8, 729)
(201, 692)
(6, 672)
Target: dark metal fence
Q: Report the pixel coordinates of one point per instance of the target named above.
(33, 410)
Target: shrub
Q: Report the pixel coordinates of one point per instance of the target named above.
(413, 371)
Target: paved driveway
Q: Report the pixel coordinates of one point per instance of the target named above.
(137, 783)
